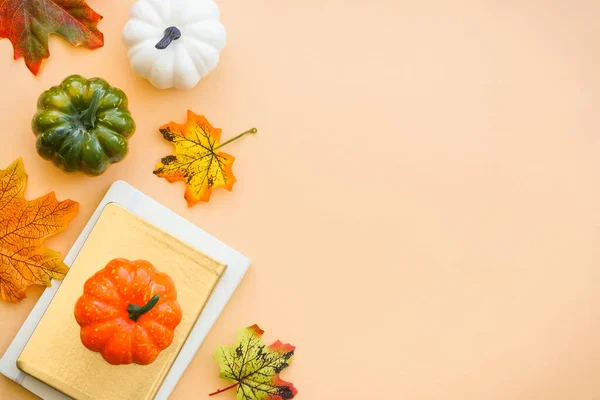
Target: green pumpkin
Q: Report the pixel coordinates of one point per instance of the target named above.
(83, 125)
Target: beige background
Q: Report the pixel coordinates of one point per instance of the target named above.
(422, 201)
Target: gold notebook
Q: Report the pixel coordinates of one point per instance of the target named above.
(54, 353)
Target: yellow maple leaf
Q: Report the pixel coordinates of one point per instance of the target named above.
(24, 225)
(197, 160)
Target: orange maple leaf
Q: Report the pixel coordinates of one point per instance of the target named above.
(24, 225)
(197, 160)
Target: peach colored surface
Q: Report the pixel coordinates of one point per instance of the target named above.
(422, 201)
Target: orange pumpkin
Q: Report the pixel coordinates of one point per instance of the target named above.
(128, 312)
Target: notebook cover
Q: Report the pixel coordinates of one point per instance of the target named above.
(54, 354)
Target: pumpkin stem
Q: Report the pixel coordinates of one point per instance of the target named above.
(136, 311)
(171, 33)
(88, 116)
(249, 131)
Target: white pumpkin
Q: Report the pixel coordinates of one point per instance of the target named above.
(174, 43)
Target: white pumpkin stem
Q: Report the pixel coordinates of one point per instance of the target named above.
(171, 33)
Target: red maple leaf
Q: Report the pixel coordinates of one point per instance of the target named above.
(27, 24)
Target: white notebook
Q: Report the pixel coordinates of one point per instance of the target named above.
(143, 206)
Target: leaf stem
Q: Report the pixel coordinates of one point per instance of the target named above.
(249, 131)
(224, 390)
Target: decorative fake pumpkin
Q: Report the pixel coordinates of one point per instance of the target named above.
(128, 312)
(83, 125)
(174, 43)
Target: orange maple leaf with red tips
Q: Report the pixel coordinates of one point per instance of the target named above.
(197, 160)
(24, 225)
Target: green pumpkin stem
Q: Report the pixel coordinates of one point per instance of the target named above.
(88, 116)
(136, 311)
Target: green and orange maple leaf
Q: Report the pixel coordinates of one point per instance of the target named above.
(254, 367)
(24, 225)
(197, 160)
(27, 24)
